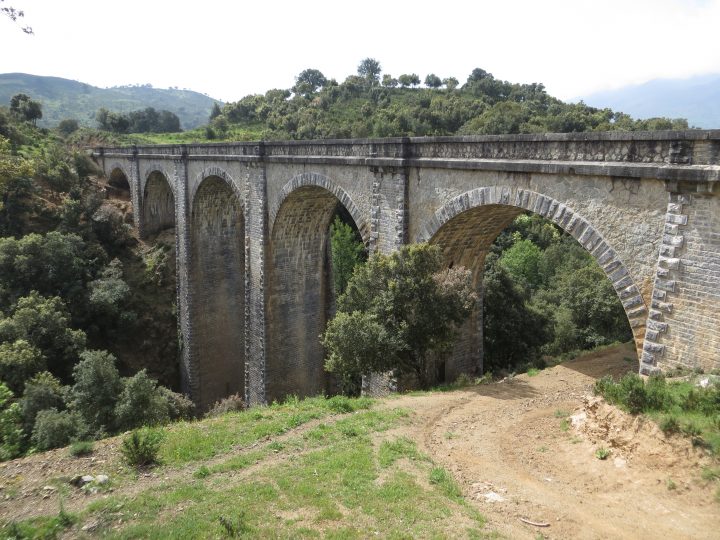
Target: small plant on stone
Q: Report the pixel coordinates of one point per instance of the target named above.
(565, 424)
(671, 485)
(602, 453)
(561, 413)
(140, 448)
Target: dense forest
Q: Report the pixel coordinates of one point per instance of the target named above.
(88, 337)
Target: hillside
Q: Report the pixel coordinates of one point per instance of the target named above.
(64, 98)
(511, 459)
(696, 98)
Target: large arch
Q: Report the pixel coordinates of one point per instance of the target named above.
(158, 206)
(299, 284)
(217, 289)
(466, 226)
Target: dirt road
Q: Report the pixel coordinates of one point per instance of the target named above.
(517, 456)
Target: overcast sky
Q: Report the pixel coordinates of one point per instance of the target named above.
(229, 49)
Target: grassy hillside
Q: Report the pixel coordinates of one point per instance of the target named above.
(63, 98)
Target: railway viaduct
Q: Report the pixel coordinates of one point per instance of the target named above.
(251, 226)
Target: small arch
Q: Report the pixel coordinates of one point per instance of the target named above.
(489, 210)
(217, 288)
(321, 181)
(119, 182)
(158, 205)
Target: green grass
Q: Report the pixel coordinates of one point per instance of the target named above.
(532, 372)
(332, 481)
(197, 440)
(602, 453)
(677, 406)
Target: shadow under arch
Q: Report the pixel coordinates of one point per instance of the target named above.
(158, 203)
(299, 291)
(466, 226)
(119, 182)
(217, 288)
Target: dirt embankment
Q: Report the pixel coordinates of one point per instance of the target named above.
(524, 449)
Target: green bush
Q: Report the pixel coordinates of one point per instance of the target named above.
(670, 424)
(141, 403)
(41, 392)
(141, 447)
(81, 448)
(11, 434)
(54, 429)
(96, 389)
(179, 406)
(234, 403)
(19, 361)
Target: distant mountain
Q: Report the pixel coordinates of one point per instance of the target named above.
(64, 98)
(696, 98)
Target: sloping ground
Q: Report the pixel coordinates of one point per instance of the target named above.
(516, 454)
(510, 446)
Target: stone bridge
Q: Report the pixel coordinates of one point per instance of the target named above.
(251, 224)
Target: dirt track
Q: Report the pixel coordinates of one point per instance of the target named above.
(507, 442)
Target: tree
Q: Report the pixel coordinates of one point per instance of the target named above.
(478, 74)
(451, 83)
(397, 312)
(309, 81)
(347, 251)
(433, 81)
(12, 168)
(216, 111)
(25, 108)
(11, 434)
(68, 126)
(96, 389)
(388, 81)
(14, 15)
(370, 70)
(406, 80)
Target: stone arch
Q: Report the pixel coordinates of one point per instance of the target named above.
(321, 181)
(487, 211)
(217, 291)
(299, 290)
(119, 181)
(158, 203)
(216, 172)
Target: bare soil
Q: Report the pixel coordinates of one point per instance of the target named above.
(518, 455)
(521, 449)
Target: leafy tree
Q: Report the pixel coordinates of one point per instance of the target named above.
(522, 261)
(40, 326)
(42, 392)
(388, 81)
(25, 108)
(68, 126)
(19, 361)
(96, 389)
(513, 332)
(141, 403)
(11, 434)
(478, 74)
(12, 168)
(370, 70)
(407, 80)
(347, 251)
(396, 312)
(309, 81)
(216, 111)
(451, 83)
(433, 81)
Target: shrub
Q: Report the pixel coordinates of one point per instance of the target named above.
(19, 361)
(229, 404)
(602, 453)
(141, 403)
(41, 392)
(179, 406)
(11, 434)
(96, 390)
(81, 448)
(632, 393)
(54, 429)
(669, 424)
(141, 447)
